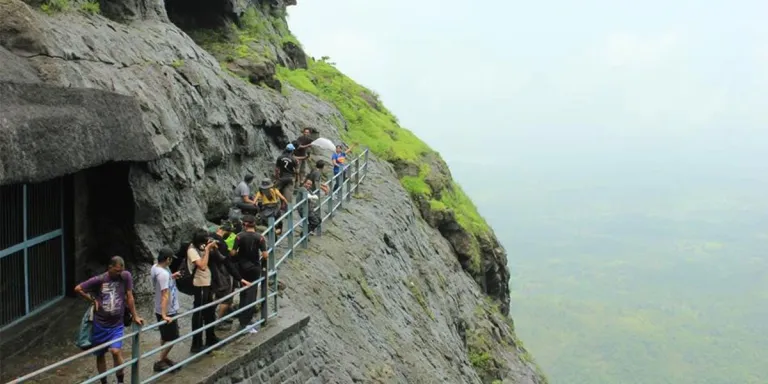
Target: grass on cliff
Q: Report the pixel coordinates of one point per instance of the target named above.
(253, 39)
(51, 7)
(372, 125)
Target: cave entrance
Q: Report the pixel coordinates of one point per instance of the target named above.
(103, 216)
(196, 14)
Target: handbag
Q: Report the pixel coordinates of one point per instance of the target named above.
(83, 339)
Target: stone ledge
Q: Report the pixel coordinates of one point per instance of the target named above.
(242, 351)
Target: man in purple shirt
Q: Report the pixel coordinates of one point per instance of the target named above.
(111, 293)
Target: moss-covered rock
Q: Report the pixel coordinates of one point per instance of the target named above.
(492, 345)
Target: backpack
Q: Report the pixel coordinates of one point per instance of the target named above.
(179, 264)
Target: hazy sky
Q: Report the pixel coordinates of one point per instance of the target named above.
(558, 75)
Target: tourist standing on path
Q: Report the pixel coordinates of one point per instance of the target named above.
(166, 305)
(285, 171)
(250, 251)
(198, 255)
(111, 293)
(302, 154)
(339, 160)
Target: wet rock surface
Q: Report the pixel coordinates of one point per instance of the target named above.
(385, 291)
(389, 298)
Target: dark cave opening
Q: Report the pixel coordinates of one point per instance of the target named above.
(199, 14)
(104, 215)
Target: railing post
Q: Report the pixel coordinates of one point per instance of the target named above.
(136, 354)
(335, 179)
(365, 165)
(350, 187)
(341, 187)
(305, 210)
(319, 229)
(357, 175)
(270, 268)
(291, 238)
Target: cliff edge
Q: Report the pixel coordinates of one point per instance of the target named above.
(410, 285)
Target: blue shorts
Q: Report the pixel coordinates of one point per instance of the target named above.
(101, 334)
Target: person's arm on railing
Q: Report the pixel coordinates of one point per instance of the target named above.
(129, 301)
(280, 195)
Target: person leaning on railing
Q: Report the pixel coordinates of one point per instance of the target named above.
(111, 293)
(250, 252)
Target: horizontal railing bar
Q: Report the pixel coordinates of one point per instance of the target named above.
(31, 242)
(196, 331)
(110, 371)
(193, 357)
(200, 308)
(73, 358)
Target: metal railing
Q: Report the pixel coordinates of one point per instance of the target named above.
(348, 183)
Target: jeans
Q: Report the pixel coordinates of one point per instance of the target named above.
(249, 296)
(203, 295)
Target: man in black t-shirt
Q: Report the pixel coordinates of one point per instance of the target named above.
(250, 251)
(285, 171)
(302, 153)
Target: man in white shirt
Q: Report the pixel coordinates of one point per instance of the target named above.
(166, 305)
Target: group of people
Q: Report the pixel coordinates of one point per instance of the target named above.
(210, 266)
(205, 268)
(293, 165)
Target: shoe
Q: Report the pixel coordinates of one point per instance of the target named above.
(160, 366)
(209, 343)
(171, 363)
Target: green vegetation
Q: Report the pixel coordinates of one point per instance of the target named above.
(55, 6)
(372, 125)
(90, 7)
(178, 63)
(253, 39)
(367, 291)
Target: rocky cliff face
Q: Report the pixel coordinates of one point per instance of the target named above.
(206, 91)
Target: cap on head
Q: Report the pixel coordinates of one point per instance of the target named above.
(266, 184)
(248, 178)
(290, 147)
(164, 254)
(227, 227)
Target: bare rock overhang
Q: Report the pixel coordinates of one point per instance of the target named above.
(48, 131)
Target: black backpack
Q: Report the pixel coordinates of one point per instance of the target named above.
(179, 264)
